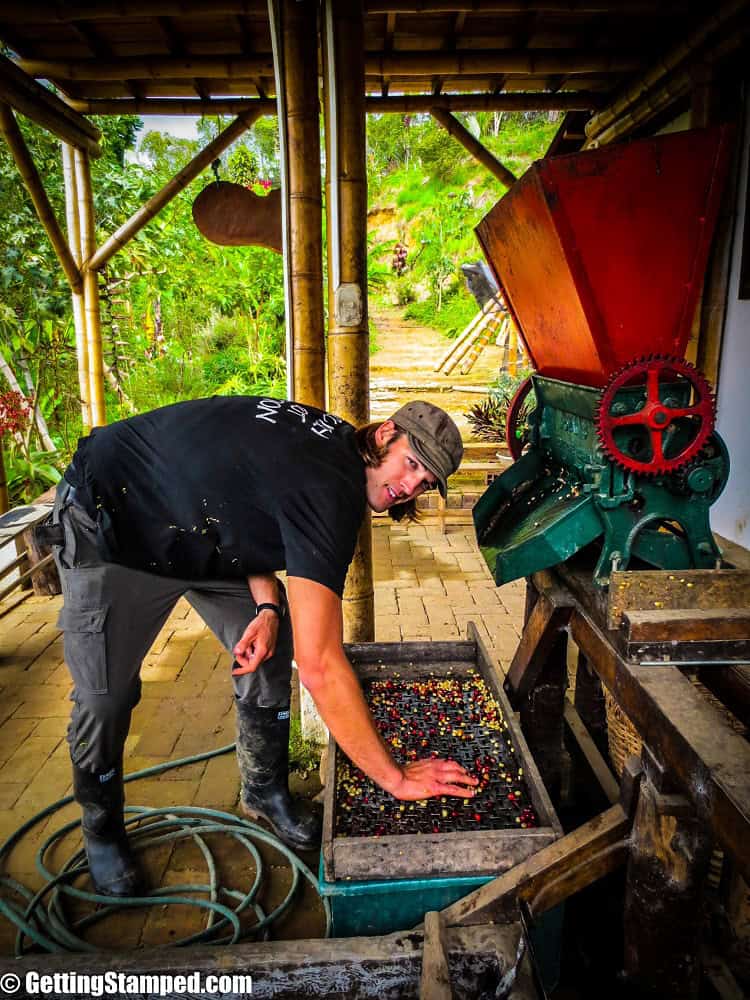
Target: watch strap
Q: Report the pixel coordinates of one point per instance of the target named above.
(269, 607)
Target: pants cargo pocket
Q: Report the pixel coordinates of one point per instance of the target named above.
(85, 647)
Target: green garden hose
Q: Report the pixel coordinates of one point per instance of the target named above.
(42, 919)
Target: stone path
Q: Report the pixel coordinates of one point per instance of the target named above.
(403, 368)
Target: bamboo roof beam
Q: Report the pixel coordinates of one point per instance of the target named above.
(522, 6)
(150, 67)
(465, 62)
(34, 101)
(33, 182)
(454, 127)
(172, 188)
(52, 11)
(416, 103)
(173, 106)
(664, 66)
(526, 62)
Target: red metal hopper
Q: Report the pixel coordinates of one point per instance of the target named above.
(602, 254)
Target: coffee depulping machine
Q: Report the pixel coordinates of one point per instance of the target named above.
(601, 257)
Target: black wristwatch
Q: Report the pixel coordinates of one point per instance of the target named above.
(270, 607)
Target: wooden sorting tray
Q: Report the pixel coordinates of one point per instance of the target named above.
(483, 852)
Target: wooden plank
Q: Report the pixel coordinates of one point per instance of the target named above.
(427, 855)
(607, 781)
(684, 732)
(405, 652)
(435, 981)
(731, 685)
(709, 654)
(369, 968)
(551, 875)
(687, 625)
(654, 590)
(663, 919)
(549, 615)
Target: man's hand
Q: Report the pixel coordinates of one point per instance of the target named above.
(423, 779)
(258, 642)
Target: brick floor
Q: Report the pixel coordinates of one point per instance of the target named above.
(428, 585)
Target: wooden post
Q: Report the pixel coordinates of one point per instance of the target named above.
(454, 127)
(543, 721)
(348, 334)
(79, 319)
(33, 182)
(435, 981)
(589, 702)
(90, 290)
(294, 26)
(669, 858)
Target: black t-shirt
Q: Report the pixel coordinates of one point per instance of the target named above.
(225, 487)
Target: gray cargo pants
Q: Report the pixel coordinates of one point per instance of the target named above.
(111, 616)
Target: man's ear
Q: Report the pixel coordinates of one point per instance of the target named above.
(385, 432)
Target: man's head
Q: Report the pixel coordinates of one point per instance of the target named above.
(417, 449)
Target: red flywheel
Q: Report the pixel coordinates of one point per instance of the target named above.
(671, 426)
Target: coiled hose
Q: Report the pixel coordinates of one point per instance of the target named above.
(43, 921)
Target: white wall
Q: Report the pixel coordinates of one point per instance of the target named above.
(730, 515)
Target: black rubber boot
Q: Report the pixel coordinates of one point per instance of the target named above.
(263, 758)
(113, 868)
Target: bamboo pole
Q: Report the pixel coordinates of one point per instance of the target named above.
(172, 106)
(348, 333)
(455, 344)
(490, 322)
(24, 94)
(172, 188)
(424, 103)
(90, 290)
(465, 62)
(79, 319)
(525, 62)
(44, 11)
(665, 65)
(304, 259)
(454, 128)
(579, 100)
(33, 183)
(150, 68)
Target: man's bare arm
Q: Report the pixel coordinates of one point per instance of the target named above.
(327, 674)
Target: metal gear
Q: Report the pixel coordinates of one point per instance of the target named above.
(671, 435)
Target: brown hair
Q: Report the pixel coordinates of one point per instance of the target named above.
(372, 455)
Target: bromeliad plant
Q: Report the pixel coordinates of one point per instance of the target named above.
(15, 411)
(24, 472)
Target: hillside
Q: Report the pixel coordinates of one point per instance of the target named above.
(428, 193)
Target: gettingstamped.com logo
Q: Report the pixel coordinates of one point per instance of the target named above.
(123, 984)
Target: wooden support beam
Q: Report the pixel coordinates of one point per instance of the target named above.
(173, 106)
(601, 771)
(685, 734)
(552, 874)
(549, 615)
(33, 182)
(669, 855)
(172, 188)
(589, 702)
(435, 981)
(662, 67)
(731, 685)
(39, 104)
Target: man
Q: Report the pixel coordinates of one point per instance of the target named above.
(207, 499)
